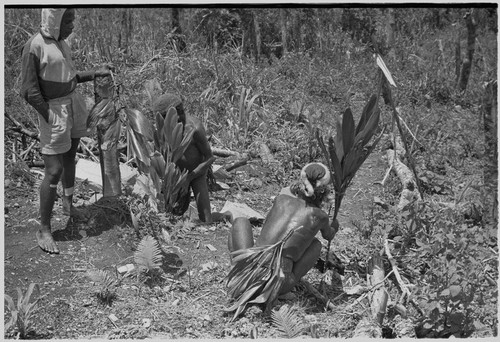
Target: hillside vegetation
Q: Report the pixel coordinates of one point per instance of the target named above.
(272, 77)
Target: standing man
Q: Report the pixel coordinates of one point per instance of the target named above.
(196, 159)
(49, 80)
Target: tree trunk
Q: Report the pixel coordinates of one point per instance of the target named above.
(256, 25)
(283, 30)
(178, 39)
(126, 30)
(471, 45)
(389, 33)
(489, 191)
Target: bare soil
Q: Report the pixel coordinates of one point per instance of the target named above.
(190, 303)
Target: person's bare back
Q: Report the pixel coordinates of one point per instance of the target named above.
(198, 150)
(290, 213)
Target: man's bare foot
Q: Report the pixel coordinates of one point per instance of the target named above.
(46, 241)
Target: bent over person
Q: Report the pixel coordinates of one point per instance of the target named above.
(196, 159)
(286, 248)
(49, 80)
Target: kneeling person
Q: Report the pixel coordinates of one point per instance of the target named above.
(196, 159)
(291, 225)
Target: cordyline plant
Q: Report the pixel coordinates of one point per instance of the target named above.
(349, 149)
(22, 312)
(157, 151)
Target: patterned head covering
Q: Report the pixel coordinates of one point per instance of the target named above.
(314, 175)
(51, 22)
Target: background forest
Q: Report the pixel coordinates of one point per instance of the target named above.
(273, 75)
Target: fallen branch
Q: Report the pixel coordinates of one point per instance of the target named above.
(236, 164)
(328, 304)
(219, 152)
(371, 326)
(19, 127)
(410, 191)
(406, 293)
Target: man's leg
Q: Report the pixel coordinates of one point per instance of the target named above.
(241, 235)
(200, 191)
(302, 266)
(68, 177)
(48, 193)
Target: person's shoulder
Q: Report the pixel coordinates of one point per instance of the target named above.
(35, 42)
(195, 123)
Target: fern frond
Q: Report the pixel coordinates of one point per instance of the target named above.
(287, 321)
(148, 255)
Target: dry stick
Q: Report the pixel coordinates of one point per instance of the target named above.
(28, 150)
(402, 285)
(92, 155)
(318, 295)
(405, 143)
(20, 128)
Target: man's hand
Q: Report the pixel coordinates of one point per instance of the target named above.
(330, 233)
(45, 115)
(104, 70)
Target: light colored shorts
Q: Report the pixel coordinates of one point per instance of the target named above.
(67, 120)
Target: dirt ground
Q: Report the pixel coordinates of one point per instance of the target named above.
(190, 303)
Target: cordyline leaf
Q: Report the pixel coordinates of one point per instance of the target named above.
(139, 124)
(186, 140)
(347, 131)
(339, 145)
(387, 73)
(111, 135)
(337, 167)
(366, 114)
(141, 150)
(148, 254)
(176, 136)
(99, 112)
(158, 163)
(256, 276)
(366, 134)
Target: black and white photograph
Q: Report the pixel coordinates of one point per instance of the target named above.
(252, 170)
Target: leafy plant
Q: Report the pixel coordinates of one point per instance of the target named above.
(349, 149)
(105, 283)
(148, 257)
(157, 150)
(22, 312)
(287, 321)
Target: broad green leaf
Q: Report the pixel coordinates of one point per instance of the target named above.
(383, 67)
(337, 167)
(366, 134)
(339, 145)
(139, 123)
(367, 113)
(347, 131)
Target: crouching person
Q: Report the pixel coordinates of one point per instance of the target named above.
(196, 159)
(286, 248)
